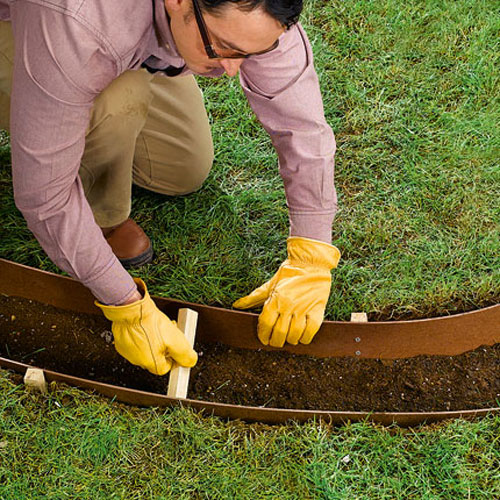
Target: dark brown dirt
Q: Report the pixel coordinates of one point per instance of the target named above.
(81, 345)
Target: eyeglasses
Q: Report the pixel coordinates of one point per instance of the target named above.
(209, 48)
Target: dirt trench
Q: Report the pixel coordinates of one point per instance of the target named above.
(81, 345)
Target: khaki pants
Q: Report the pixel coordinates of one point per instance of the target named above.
(148, 129)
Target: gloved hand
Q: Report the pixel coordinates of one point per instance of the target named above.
(146, 337)
(295, 297)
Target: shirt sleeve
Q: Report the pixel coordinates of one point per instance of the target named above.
(59, 68)
(283, 90)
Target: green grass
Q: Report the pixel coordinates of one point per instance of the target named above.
(77, 445)
(413, 97)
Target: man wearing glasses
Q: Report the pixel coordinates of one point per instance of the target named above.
(101, 94)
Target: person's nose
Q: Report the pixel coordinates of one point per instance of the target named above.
(231, 66)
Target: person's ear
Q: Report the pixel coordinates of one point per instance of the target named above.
(174, 5)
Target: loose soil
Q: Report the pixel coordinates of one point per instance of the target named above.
(81, 345)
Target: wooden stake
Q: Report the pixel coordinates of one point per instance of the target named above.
(179, 375)
(359, 317)
(34, 380)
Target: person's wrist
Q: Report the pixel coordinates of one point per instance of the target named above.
(136, 296)
(307, 251)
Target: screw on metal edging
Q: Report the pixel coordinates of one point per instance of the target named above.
(358, 318)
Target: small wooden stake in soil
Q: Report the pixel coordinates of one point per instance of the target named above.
(359, 317)
(34, 380)
(179, 375)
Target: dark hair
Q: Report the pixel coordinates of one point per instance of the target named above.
(285, 11)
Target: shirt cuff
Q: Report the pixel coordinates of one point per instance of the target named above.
(112, 287)
(313, 226)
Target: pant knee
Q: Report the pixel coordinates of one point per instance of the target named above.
(197, 173)
(185, 177)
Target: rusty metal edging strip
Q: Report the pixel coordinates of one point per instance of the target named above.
(251, 413)
(447, 336)
(442, 336)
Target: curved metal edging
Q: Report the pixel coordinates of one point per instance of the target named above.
(443, 336)
(251, 413)
(447, 336)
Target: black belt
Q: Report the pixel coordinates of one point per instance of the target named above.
(169, 70)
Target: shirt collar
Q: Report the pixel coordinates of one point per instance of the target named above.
(162, 27)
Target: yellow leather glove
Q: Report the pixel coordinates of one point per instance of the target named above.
(295, 297)
(146, 337)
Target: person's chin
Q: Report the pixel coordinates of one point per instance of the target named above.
(200, 69)
(208, 71)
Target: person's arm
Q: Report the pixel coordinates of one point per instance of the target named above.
(59, 68)
(58, 71)
(283, 90)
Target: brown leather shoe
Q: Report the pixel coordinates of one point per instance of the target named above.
(129, 243)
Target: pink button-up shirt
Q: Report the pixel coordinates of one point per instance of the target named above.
(68, 51)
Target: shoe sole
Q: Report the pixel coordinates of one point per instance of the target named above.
(138, 261)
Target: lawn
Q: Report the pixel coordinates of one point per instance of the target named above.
(411, 91)
(71, 444)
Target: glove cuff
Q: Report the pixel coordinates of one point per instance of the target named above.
(129, 313)
(312, 252)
